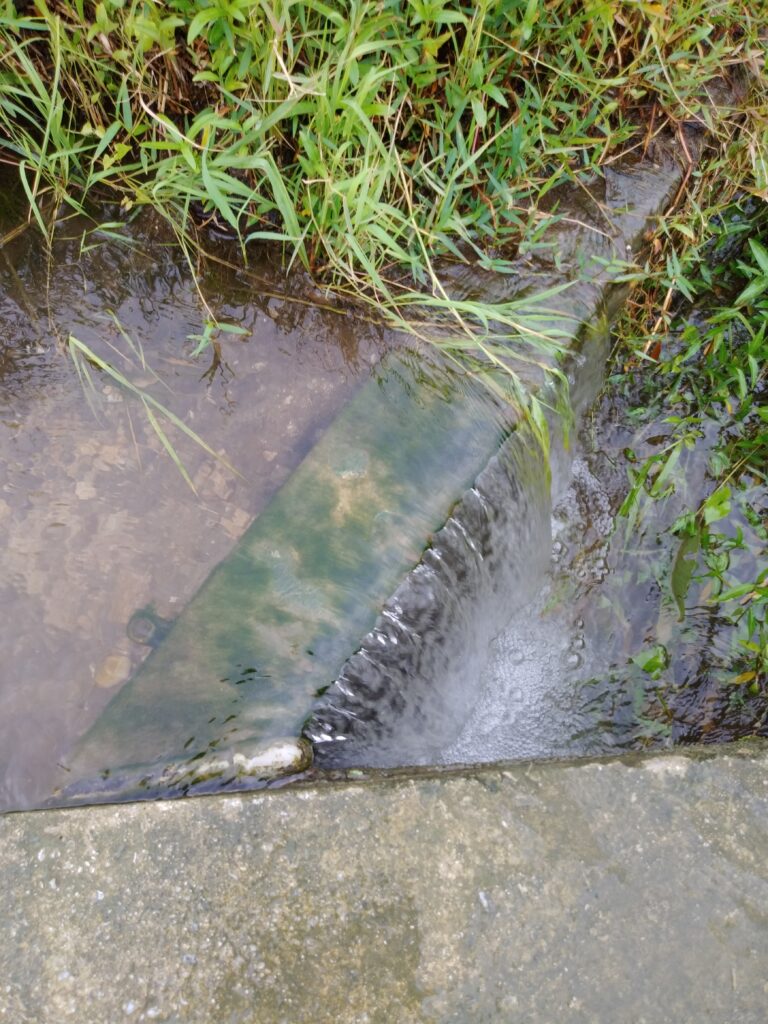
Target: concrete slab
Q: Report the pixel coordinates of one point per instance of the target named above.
(630, 890)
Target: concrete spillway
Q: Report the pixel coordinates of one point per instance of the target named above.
(413, 487)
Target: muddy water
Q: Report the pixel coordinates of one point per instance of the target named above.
(96, 520)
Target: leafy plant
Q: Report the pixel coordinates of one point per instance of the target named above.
(713, 381)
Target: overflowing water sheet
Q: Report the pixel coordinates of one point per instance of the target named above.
(404, 694)
(412, 681)
(275, 622)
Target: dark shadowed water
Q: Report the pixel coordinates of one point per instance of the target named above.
(559, 622)
(609, 656)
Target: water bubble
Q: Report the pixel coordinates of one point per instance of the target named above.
(573, 660)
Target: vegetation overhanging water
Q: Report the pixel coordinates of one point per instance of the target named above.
(651, 626)
(368, 138)
(370, 141)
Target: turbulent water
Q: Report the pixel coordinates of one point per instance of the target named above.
(404, 693)
(444, 659)
(531, 704)
(421, 672)
(568, 675)
(526, 631)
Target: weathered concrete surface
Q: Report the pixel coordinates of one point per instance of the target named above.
(595, 892)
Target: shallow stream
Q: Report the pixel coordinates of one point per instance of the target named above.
(96, 520)
(535, 624)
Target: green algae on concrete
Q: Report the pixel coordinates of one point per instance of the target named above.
(275, 621)
(273, 625)
(633, 890)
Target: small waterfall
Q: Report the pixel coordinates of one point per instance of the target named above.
(330, 559)
(406, 692)
(405, 695)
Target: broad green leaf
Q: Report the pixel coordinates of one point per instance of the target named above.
(215, 193)
(652, 660)
(200, 20)
(682, 571)
(760, 253)
(481, 118)
(718, 505)
(753, 291)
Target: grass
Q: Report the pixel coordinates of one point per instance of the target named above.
(371, 139)
(158, 415)
(367, 139)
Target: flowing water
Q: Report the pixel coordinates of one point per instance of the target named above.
(240, 668)
(96, 521)
(604, 658)
(274, 623)
(412, 680)
(166, 623)
(563, 639)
